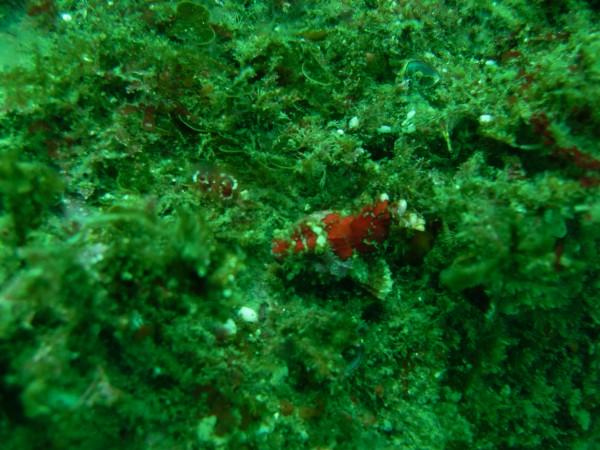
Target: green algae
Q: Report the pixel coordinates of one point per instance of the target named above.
(121, 278)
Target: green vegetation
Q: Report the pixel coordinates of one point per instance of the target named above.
(151, 152)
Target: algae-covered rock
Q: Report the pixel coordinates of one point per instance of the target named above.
(191, 24)
(285, 224)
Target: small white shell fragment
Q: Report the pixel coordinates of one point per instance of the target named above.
(353, 123)
(247, 314)
(384, 129)
(486, 118)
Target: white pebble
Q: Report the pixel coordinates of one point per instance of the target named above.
(229, 328)
(486, 118)
(247, 314)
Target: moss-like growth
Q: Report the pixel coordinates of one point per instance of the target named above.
(153, 155)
